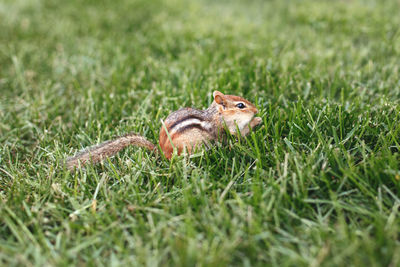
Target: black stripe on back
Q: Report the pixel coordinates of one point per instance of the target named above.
(184, 119)
(191, 126)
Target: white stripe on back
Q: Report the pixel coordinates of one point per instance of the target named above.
(185, 123)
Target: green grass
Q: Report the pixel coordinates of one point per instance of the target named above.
(317, 184)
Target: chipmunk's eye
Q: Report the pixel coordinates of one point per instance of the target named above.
(240, 105)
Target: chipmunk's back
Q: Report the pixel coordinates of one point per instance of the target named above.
(186, 127)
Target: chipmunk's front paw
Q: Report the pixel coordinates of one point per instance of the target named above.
(256, 121)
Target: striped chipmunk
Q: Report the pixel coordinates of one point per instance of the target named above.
(182, 130)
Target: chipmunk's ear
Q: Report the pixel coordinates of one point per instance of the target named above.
(218, 97)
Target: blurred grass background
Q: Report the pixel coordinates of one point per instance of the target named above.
(317, 185)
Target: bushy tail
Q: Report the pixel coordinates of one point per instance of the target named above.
(96, 153)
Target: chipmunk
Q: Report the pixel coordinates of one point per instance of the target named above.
(183, 130)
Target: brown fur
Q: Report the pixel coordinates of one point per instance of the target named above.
(165, 144)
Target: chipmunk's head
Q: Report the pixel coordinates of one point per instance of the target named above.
(236, 111)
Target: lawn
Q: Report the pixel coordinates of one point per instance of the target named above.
(317, 184)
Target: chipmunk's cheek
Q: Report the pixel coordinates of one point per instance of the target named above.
(245, 120)
(250, 116)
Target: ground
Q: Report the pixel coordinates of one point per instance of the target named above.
(317, 184)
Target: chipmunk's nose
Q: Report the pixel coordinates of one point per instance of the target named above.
(255, 110)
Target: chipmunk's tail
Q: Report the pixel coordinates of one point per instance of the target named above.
(109, 148)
